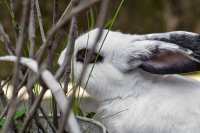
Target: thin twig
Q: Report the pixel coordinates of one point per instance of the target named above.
(51, 51)
(39, 124)
(100, 24)
(47, 119)
(32, 110)
(45, 44)
(9, 103)
(12, 14)
(13, 103)
(12, 3)
(68, 57)
(5, 111)
(52, 84)
(14, 23)
(39, 16)
(32, 37)
(5, 38)
(3, 97)
(19, 45)
(67, 9)
(61, 100)
(106, 34)
(8, 126)
(73, 33)
(55, 28)
(32, 29)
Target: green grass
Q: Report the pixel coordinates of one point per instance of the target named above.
(18, 117)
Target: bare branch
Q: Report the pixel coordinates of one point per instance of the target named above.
(47, 119)
(51, 50)
(67, 10)
(11, 111)
(40, 69)
(32, 37)
(100, 24)
(53, 85)
(101, 20)
(5, 38)
(32, 110)
(68, 57)
(70, 50)
(39, 124)
(61, 100)
(12, 13)
(3, 97)
(19, 45)
(39, 16)
(55, 28)
(70, 46)
(32, 28)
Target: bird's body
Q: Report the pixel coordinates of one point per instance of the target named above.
(134, 82)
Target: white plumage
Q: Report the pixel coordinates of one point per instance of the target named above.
(134, 81)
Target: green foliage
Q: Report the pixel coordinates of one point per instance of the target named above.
(91, 18)
(18, 117)
(110, 22)
(20, 113)
(76, 108)
(2, 122)
(37, 89)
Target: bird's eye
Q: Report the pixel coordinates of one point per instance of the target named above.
(93, 56)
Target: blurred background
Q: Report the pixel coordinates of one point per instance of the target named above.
(135, 16)
(147, 16)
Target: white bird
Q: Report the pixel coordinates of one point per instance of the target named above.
(135, 81)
